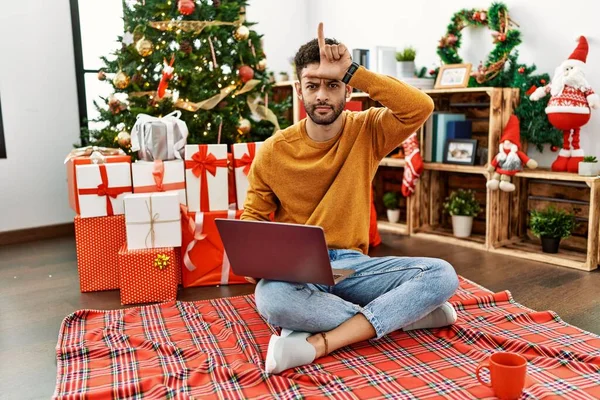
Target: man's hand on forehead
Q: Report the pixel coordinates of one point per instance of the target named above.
(334, 59)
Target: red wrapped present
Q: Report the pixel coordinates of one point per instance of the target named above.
(148, 275)
(82, 157)
(98, 241)
(204, 262)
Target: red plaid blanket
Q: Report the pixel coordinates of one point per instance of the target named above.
(215, 349)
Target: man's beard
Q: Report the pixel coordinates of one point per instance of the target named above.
(576, 79)
(327, 119)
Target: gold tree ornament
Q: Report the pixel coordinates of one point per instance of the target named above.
(124, 139)
(121, 80)
(144, 47)
(261, 65)
(242, 33)
(244, 126)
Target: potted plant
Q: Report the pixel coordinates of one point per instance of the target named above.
(284, 76)
(406, 62)
(462, 206)
(589, 166)
(390, 201)
(551, 225)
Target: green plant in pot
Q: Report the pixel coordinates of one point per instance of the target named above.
(463, 207)
(551, 225)
(589, 166)
(390, 201)
(406, 62)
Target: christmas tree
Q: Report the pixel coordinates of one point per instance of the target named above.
(200, 57)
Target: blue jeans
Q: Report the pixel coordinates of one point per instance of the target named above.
(391, 292)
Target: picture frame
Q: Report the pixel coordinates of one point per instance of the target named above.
(452, 76)
(460, 151)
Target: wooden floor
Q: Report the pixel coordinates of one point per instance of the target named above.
(39, 287)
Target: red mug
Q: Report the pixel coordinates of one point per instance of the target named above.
(507, 374)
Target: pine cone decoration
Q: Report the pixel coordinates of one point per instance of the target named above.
(137, 79)
(186, 46)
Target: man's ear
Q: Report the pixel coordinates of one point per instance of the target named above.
(348, 92)
(298, 89)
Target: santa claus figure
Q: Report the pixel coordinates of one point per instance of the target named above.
(569, 105)
(510, 159)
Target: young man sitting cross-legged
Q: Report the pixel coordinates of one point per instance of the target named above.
(319, 172)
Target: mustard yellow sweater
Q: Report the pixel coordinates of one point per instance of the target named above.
(329, 183)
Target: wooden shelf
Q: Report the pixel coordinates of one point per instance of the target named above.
(393, 162)
(385, 226)
(466, 169)
(459, 90)
(555, 176)
(533, 251)
(445, 235)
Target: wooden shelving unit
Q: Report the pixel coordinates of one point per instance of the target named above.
(502, 226)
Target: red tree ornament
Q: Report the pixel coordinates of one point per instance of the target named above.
(246, 73)
(554, 149)
(186, 7)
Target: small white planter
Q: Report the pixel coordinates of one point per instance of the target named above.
(405, 69)
(393, 216)
(588, 169)
(462, 225)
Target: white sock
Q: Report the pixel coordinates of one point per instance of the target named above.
(442, 316)
(289, 352)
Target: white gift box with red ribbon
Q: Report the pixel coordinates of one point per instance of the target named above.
(243, 156)
(101, 188)
(206, 169)
(152, 220)
(159, 176)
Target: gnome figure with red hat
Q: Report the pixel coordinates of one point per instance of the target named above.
(510, 158)
(569, 105)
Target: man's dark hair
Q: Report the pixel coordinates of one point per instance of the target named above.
(309, 54)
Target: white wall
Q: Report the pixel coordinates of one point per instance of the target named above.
(39, 106)
(548, 29)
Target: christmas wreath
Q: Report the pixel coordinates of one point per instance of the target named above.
(506, 38)
(502, 68)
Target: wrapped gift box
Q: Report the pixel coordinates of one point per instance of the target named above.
(159, 138)
(204, 262)
(102, 187)
(72, 162)
(152, 220)
(148, 275)
(98, 241)
(159, 176)
(243, 156)
(206, 176)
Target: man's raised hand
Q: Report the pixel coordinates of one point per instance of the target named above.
(335, 58)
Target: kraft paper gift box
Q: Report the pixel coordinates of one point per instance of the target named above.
(159, 138)
(243, 156)
(206, 176)
(98, 241)
(159, 176)
(83, 156)
(152, 220)
(148, 275)
(102, 187)
(204, 261)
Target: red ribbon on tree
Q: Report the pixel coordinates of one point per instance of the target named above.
(103, 190)
(167, 75)
(247, 158)
(200, 164)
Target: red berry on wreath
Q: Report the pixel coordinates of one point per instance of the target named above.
(543, 81)
(521, 70)
(554, 149)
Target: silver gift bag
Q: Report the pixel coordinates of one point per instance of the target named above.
(159, 138)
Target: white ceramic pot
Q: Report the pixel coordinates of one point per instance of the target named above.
(405, 69)
(588, 169)
(462, 225)
(393, 216)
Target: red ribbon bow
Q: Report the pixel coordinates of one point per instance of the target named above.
(200, 164)
(247, 158)
(103, 190)
(158, 173)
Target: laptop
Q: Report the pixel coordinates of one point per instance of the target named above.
(279, 251)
